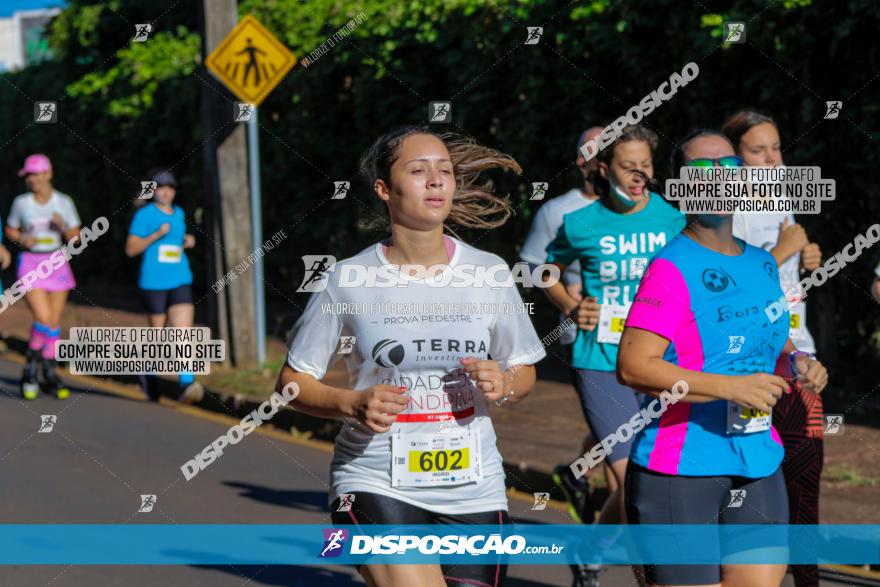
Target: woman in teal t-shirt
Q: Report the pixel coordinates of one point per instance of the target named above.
(158, 232)
(613, 239)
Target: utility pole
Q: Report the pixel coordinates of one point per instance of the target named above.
(227, 195)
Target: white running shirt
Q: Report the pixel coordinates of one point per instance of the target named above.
(542, 232)
(762, 230)
(420, 350)
(34, 219)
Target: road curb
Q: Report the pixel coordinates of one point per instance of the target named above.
(519, 476)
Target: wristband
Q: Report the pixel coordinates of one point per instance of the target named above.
(500, 402)
(792, 358)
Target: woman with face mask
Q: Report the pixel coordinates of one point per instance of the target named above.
(613, 239)
(41, 222)
(417, 445)
(698, 325)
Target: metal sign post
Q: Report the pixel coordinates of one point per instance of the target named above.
(257, 231)
(250, 61)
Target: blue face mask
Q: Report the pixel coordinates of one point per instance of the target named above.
(620, 195)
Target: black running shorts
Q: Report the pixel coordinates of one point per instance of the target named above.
(371, 508)
(656, 498)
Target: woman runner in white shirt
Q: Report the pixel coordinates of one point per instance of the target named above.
(419, 377)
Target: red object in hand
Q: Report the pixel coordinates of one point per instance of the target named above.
(794, 384)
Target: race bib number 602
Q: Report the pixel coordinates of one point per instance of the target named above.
(430, 460)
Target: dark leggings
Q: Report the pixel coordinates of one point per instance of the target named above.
(371, 508)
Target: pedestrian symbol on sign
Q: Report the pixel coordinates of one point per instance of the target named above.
(250, 61)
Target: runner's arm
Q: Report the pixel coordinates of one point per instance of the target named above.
(522, 380)
(71, 234)
(640, 365)
(135, 245)
(316, 398)
(558, 294)
(812, 373)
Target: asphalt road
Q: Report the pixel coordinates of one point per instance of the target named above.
(106, 450)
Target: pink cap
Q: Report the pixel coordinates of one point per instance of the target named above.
(36, 163)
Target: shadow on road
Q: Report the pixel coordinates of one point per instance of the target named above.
(313, 501)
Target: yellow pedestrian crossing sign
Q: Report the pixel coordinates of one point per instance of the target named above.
(250, 61)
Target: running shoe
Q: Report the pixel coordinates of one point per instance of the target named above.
(30, 385)
(576, 492)
(586, 575)
(51, 383)
(150, 387)
(192, 394)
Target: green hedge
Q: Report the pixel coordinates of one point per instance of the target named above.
(127, 107)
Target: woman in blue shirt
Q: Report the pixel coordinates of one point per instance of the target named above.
(698, 321)
(158, 232)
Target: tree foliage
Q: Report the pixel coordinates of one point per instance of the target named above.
(128, 106)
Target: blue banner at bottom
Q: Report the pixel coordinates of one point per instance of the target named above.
(519, 544)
